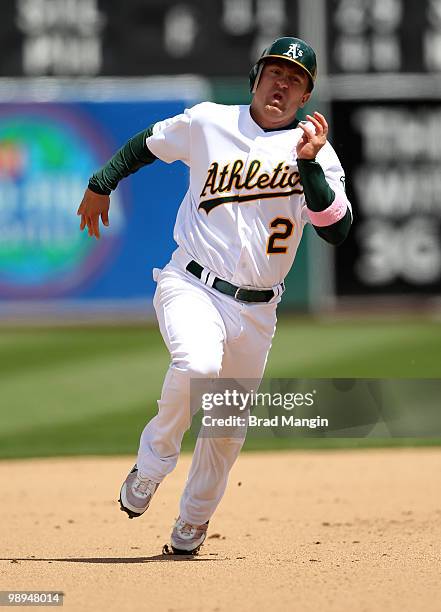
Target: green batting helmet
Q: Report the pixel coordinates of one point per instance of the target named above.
(293, 50)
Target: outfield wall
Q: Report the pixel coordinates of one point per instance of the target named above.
(53, 135)
(73, 88)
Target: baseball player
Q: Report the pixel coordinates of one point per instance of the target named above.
(257, 176)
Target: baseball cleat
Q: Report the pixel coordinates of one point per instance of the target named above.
(136, 493)
(187, 539)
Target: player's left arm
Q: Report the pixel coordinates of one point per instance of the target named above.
(327, 206)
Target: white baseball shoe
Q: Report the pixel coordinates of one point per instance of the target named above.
(187, 539)
(136, 493)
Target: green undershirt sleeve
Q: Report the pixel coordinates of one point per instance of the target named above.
(129, 159)
(337, 232)
(318, 196)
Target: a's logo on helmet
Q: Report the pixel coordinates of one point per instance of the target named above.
(294, 51)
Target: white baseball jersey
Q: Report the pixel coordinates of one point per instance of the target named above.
(244, 212)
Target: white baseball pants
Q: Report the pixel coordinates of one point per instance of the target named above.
(208, 335)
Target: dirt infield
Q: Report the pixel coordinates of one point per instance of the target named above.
(307, 531)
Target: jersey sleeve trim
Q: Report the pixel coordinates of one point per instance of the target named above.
(170, 139)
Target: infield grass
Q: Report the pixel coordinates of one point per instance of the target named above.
(90, 390)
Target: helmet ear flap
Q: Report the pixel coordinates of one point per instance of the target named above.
(252, 77)
(255, 73)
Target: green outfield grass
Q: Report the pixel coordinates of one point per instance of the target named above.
(90, 390)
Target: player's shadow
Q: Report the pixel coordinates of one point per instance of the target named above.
(153, 559)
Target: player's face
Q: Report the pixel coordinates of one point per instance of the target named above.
(281, 91)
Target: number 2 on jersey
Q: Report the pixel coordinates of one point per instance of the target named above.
(280, 235)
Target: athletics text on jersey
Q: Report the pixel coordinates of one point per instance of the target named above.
(244, 212)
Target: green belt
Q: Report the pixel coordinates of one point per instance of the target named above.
(238, 293)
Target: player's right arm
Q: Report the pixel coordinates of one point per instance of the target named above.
(167, 140)
(96, 201)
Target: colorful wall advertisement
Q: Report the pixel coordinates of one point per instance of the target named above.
(47, 153)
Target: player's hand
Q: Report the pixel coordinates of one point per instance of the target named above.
(92, 207)
(312, 141)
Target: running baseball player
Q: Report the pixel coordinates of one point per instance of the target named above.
(257, 176)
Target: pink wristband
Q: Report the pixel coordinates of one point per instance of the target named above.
(330, 215)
